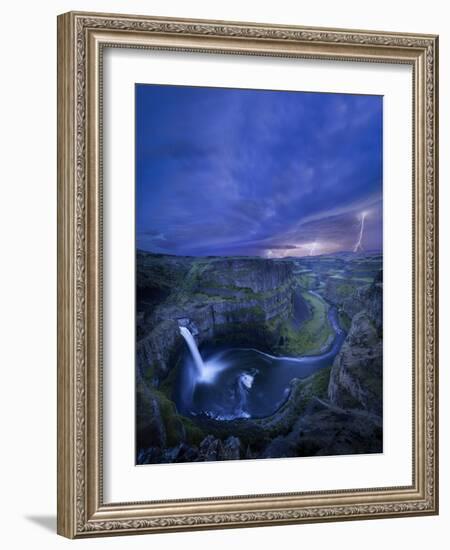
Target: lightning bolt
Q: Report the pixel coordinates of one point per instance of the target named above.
(313, 248)
(358, 246)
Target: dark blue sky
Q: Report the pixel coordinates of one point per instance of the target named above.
(256, 172)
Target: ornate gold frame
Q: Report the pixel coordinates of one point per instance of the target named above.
(81, 37)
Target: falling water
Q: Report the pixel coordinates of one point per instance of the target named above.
(236, 383)
(205, 372)
(192, 345)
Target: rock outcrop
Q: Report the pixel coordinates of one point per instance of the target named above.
(353, 296)
(368, 298)
(325, 429)
(356, 379)
(210, 449)
(244, 301)
(234, 299)
(357, 373)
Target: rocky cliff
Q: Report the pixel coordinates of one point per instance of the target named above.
(266, 304)
(240, 301)
(237, 300)
(368, 298)
(308, 424)
(354, 294)
(356, 380)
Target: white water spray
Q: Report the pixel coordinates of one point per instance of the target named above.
(244, 384)
(192, 345)
(358, 246)
(205, 372)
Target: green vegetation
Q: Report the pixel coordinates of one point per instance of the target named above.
(257, 432)
(248, 302)
(302, 391)
(361, 279)
(159, 273)
(202, 286)
(188, 287)
(306, 280)
(169, 417)
(317, 384)
(148, 374)
(341, 288)
(313, 334)
(176, 424)
(344, 320)
(168, 383)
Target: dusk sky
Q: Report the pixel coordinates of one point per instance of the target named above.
(255, 172)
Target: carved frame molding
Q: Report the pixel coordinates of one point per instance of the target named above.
(81, 39)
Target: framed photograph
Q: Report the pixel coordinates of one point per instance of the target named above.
(247, 274)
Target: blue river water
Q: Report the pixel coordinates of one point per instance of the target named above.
(233, 383)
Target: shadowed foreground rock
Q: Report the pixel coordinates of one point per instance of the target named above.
(210, 449)
(356, 376)
(244, 302)
(328, 430)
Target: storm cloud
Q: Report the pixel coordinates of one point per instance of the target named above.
(256, 172)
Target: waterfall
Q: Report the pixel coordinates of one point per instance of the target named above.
(192, 345)
(205, 372)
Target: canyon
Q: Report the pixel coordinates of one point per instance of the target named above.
(281, 308)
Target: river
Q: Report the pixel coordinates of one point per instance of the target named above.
(232, 383)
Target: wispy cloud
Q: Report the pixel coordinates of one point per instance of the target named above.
(239, 171)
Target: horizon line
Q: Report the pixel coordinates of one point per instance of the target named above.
(370, 251)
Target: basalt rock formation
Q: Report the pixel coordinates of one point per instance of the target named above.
(261, 303)
(235, 299)
(356, 376)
